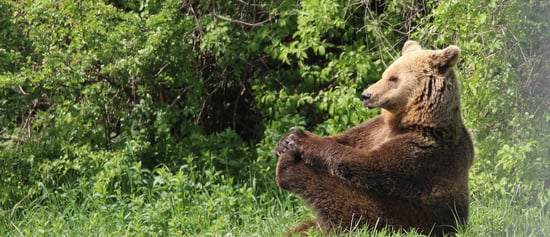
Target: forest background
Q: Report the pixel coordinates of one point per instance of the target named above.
(158, 118)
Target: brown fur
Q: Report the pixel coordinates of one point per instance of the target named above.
(406, 168)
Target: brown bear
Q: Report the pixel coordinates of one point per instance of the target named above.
(406, 168)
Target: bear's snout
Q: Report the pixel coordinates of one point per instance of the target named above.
(366, 97)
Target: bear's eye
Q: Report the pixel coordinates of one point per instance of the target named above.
(393, 79)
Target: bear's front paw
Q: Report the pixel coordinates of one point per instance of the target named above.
(290, 144)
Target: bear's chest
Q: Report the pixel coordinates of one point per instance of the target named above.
(375, 139)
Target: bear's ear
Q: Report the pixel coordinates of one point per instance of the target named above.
(446, 58)
(410, 46)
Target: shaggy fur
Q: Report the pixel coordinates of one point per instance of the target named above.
(406, 168)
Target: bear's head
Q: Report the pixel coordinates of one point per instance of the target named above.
(419, 87)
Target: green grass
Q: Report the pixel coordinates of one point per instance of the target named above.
(175, 205)
(492, 216)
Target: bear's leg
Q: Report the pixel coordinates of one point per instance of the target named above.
(303, 228)
(340, 206)
(306, 225)
(336, 203)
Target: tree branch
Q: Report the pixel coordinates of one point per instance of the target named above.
(269, 19)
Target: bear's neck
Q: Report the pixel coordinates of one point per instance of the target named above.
(441, 116)
(436, 104)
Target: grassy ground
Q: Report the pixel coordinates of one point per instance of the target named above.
(175, 206)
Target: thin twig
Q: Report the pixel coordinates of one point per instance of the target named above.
(161, 69)
(249, 4)
(23, 91)
(269, 19)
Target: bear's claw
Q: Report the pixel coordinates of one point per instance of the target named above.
(289, 143)
(298, 131)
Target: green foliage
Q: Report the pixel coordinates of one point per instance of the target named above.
(159, 117)
(123, 198)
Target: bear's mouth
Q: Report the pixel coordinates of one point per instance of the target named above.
(369, 105)
(372, 103)
(366, 100)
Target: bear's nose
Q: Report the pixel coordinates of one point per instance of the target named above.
(365, 97)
